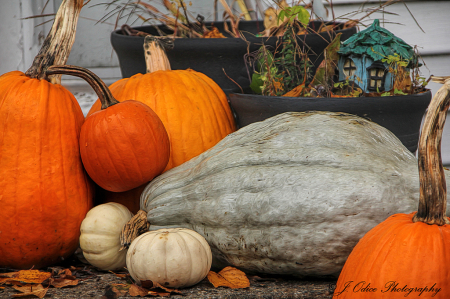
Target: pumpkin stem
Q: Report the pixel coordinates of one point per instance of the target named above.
(100, 88)
(433, 190)
(155, 54)
(133, 228)
(58, 43)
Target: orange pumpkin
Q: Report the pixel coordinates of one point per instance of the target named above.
(407, 255)
(192, 107)
(44, 190)
(125, 144)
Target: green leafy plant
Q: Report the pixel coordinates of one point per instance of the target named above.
(295, 13)
(348, 87)
(395, 60)
(396, 92)
(279, 72)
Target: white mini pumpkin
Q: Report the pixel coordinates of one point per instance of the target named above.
(100, 232)
(175, 257)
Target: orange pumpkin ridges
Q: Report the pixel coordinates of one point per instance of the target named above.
(123, 146)
(407, 254)
(45, 192)
(192, 107)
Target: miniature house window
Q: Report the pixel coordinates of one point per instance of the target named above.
(377, 74)
(349, 67)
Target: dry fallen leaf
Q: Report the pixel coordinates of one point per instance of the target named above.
(25, 276)
(159, 294)
(136, 291)
(30, 290)
(116, 290)
(148, 284)
(63, 282)
(121, 275)
(229, 277)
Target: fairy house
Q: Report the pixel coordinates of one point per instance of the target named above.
(360, 58)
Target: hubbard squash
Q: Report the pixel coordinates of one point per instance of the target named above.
(44, 190)
(290, 195)
(408, 254)
(125, 144)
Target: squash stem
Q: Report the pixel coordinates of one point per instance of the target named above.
(155, 54)
(58, 43)
(433, 190)
(135, 227)
(100, 88)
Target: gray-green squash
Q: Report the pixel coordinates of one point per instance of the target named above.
(290, 195)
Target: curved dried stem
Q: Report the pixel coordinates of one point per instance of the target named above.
(100, 88)
(433, 190)
(133, 228)
(58, 43)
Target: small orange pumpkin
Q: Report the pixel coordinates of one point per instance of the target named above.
(192, 107)
(125, 144)
(407, 253)
(44, 191)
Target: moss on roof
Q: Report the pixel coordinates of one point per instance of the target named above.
(376, 42)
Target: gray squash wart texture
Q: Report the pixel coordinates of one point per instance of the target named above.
(289, 195)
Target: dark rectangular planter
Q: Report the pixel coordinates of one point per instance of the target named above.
(222, 59)
(402, 115)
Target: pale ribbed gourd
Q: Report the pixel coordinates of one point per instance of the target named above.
(175, 258)
(100, 231)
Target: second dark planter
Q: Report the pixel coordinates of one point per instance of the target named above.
(221, 59)
(402, 115)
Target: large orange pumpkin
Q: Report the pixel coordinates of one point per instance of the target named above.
(125, 144)
(407, 255)
(44, 190)
(192, 107)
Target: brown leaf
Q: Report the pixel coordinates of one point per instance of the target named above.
(229, 277)
(148, 284)
(213, 33)
(160, 294)
(136, 291)
(25, 276)
(66, 273)
(116, 290)
(154, 285)
(8, 275)
(63, 282)
(125, 275)
(157, 285)
(30, 290)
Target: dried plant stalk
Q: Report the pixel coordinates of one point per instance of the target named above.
(133, 228)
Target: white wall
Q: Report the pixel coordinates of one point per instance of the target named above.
(20, 39)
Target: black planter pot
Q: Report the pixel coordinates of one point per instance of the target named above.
(218, 58)
(402, 115)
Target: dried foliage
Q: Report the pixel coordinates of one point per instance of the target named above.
(36, 283)
(147, 288)
(229, 277)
